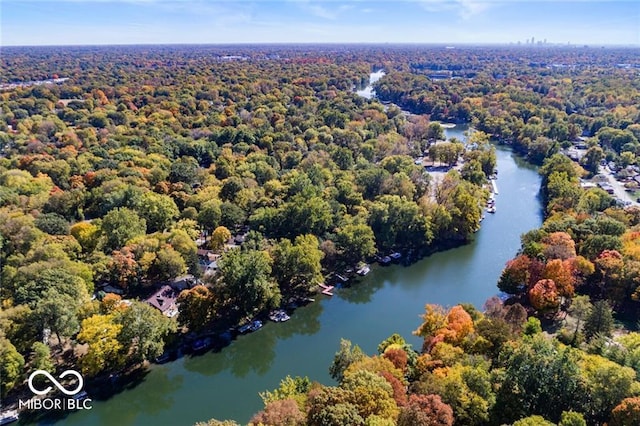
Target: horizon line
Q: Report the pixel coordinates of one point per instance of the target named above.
(350, 43)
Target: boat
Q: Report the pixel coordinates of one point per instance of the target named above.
(491, 209)
(255, 325)
(279, 316)
(395, 256)
(363, 270)
(201, 344)
(342, 278)
(81, 396)
(245, 328)
(9, 416)
(165, 357)
(385, 260)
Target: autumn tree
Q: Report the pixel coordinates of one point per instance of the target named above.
(544, 296)
(100, 332)
(515, 276)
(426, 410)
(561, 273)
(627, 413)
(281, 412)
(196, 308)
(219, 238)
(559, 245)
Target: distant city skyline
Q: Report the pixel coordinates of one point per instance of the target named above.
(100, 22)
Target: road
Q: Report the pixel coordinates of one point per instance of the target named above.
(618, 187)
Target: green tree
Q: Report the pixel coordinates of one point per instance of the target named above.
(345, 356)
(210, 215)
(599, 320)
(591, 160)
(467, 389)
(157, 210)
(52, 223)
(398, 222)
(41, 357)
(247, 282)
(355, 242)
(537, 371)
(144, 331)
(606, 383)
(572, 418)
(20, 326)
(11, 365)
(296, 267)
(168, 264)
(333, 407)
(59, 312)
(533, 421)
(580, 309)
(119, 226)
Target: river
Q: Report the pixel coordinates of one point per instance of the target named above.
(225, 385)
(368, 91)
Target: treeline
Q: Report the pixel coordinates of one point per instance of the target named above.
(491, 368)
(537, 107)
(111, 177)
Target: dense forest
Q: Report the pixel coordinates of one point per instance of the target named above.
(123, 169)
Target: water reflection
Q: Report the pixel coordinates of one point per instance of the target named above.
(256, 352)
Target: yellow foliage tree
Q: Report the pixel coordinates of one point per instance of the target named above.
(219, 237)
(100, 333)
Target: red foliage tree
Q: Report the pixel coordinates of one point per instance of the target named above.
(399, 390)
(426, 410)
(281, 412)
(398, 357)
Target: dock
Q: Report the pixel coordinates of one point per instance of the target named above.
(326, 289)
(495, 186)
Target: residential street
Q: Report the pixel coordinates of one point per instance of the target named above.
(618, 187)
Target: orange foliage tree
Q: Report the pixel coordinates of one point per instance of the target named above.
(562, 274)
(544, 295)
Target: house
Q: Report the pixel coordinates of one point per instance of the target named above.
(211, 268)
(183, 282)
(165, 301)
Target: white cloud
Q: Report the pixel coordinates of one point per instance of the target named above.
(464, 8)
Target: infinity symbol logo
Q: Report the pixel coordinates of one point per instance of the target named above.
(55, 382)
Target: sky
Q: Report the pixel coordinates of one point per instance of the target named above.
(100, 22)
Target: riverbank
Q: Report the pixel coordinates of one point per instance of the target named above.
(388, 300)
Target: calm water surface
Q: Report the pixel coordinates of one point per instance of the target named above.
(225, 385)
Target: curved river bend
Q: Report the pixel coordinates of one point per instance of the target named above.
(225, 385)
